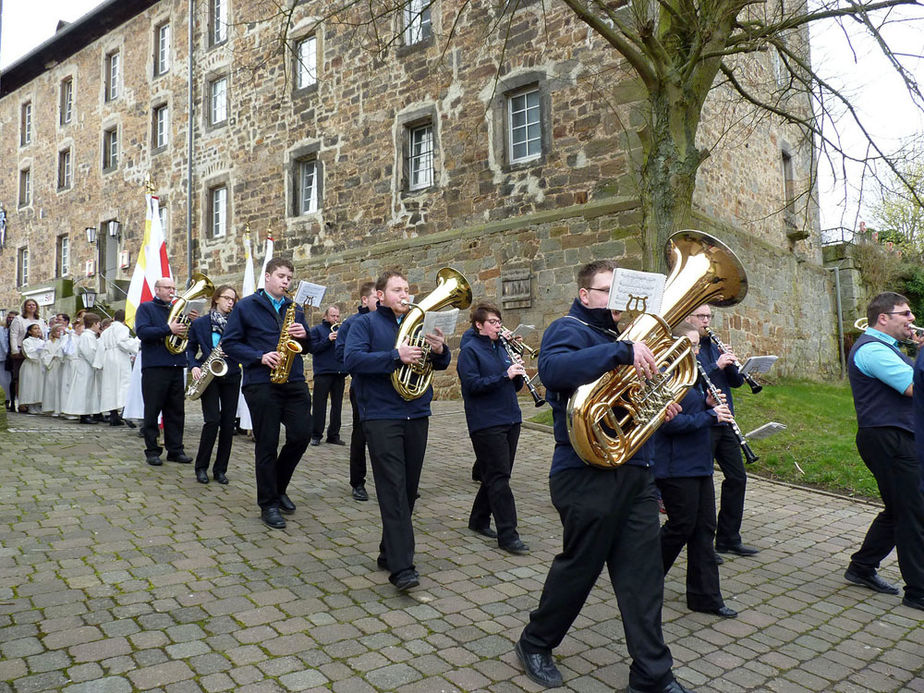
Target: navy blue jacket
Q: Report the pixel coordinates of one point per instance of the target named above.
(918, 408)
(200, 340)
(151, 328)
(340, 343)
(877, 404)
(723, 378)
(490, 396)
(324, 358)
(253, 329)
(571, 355)
(683, 445)
(371, 358)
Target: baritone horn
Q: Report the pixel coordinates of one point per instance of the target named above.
(200, 287)
(862, 323)
(611, 418)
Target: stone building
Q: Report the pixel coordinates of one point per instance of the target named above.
(507, 153)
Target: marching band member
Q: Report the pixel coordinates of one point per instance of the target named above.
(329, 378)
(118, 347)
(882, 382)
(219, 400)
(490, 382)
(367, 304)
(722, 371)
(252, 337)
(609, 516)
(396, 429)
(683, 473)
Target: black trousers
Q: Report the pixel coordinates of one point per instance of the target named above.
(357, 447)
(270, 406)
(608, 517)
(727, 453)
(690, 505)
(163, 390)
(495, 449)
(890, 455)
(219, 409)
(397, 448)
(324, 385)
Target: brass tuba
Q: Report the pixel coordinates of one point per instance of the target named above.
(412, 380)
(200, 287)
(611, 418)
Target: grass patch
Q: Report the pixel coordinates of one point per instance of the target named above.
(819, 440)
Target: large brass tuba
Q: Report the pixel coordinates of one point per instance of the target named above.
(199, 287)
(612, 417)
(412, 380)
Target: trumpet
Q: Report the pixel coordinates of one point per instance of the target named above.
(515, 357)
(862, 323)
(518, 345)
(754, 385)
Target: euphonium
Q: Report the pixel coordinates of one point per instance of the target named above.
(288, 347)
(612, 417)
(214, 366)
(862, 323)
(200, 287)
(412, 380)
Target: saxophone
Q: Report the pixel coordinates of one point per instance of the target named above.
(287, 347)
(214, 366)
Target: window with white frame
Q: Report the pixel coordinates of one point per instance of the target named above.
(111, 148)
(22, 267)
(63, 264)
(218, 21)
(162, 49)
(160, 125)
(64, 169)
(25, 187)
(113, 75)
(218, 211)
(306, 62)
(417, 26)
(67, 100)
(25, 124)
(218, 101)
(307, 182)
(420, 157)
(524, 125)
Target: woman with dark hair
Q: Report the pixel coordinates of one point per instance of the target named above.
(219, 399)
(18, 332)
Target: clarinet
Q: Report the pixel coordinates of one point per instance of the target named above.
(749, 455)
(515, 358)
(754, 385)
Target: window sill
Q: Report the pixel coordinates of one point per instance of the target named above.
(305, 92)
(512, 167)
(408, 48)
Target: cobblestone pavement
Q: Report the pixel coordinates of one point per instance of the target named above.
(116, 576)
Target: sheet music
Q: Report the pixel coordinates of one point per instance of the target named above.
(444, 319)
(523, 330)
(635, 291)
(197, 304)
(757, 364)
(309, 293)
(765, 431)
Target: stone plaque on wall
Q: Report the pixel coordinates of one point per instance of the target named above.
(516, 288)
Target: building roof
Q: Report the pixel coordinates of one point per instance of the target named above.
(68, 40)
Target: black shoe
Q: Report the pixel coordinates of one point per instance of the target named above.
(382, 562)
(914, 602)
(539, 666)
(87, 420)
(221, 478)
(286, 504)
(874, 582)
(116, 422)
(516, 547)
(98, 418)
(335, 441)
(272, 518)
(719, 560)
(359, 493)
(202, 476)
(672, 687)
(739, 549)
(722, 611)
(180, 457)
(315, 442)
(484, 531)
(154, 460)
(406, 580)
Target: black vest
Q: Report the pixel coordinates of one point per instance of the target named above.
(878, 404)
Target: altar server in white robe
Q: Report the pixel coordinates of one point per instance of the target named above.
(32, 373)
(53, 361)
(83, 397)
(69, 362)
(117, 346)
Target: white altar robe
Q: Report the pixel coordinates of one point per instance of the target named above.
(83, 397)
(32, 373)
(118, 346)
(53, 363)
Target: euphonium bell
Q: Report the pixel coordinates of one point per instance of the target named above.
(200, 287)
(612, 417)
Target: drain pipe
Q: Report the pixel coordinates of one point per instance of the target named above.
(189, 144)
(840, 319)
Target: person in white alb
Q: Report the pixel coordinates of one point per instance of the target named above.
(118, 347)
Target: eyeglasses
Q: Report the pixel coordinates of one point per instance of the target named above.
(903, 313)
(228, 298)
(594, 288)
(702, 316)
(493, 321)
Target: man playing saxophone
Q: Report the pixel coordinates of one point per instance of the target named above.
(252, 338)
(396, 428)
(609, 516)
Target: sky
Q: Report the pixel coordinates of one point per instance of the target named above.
(876, 93)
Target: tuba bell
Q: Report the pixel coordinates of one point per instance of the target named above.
(200, 287)
(412, 380)
(611, 418)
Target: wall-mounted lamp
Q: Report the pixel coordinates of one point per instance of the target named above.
(115, 229)
(88, 298)
(91, 234)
